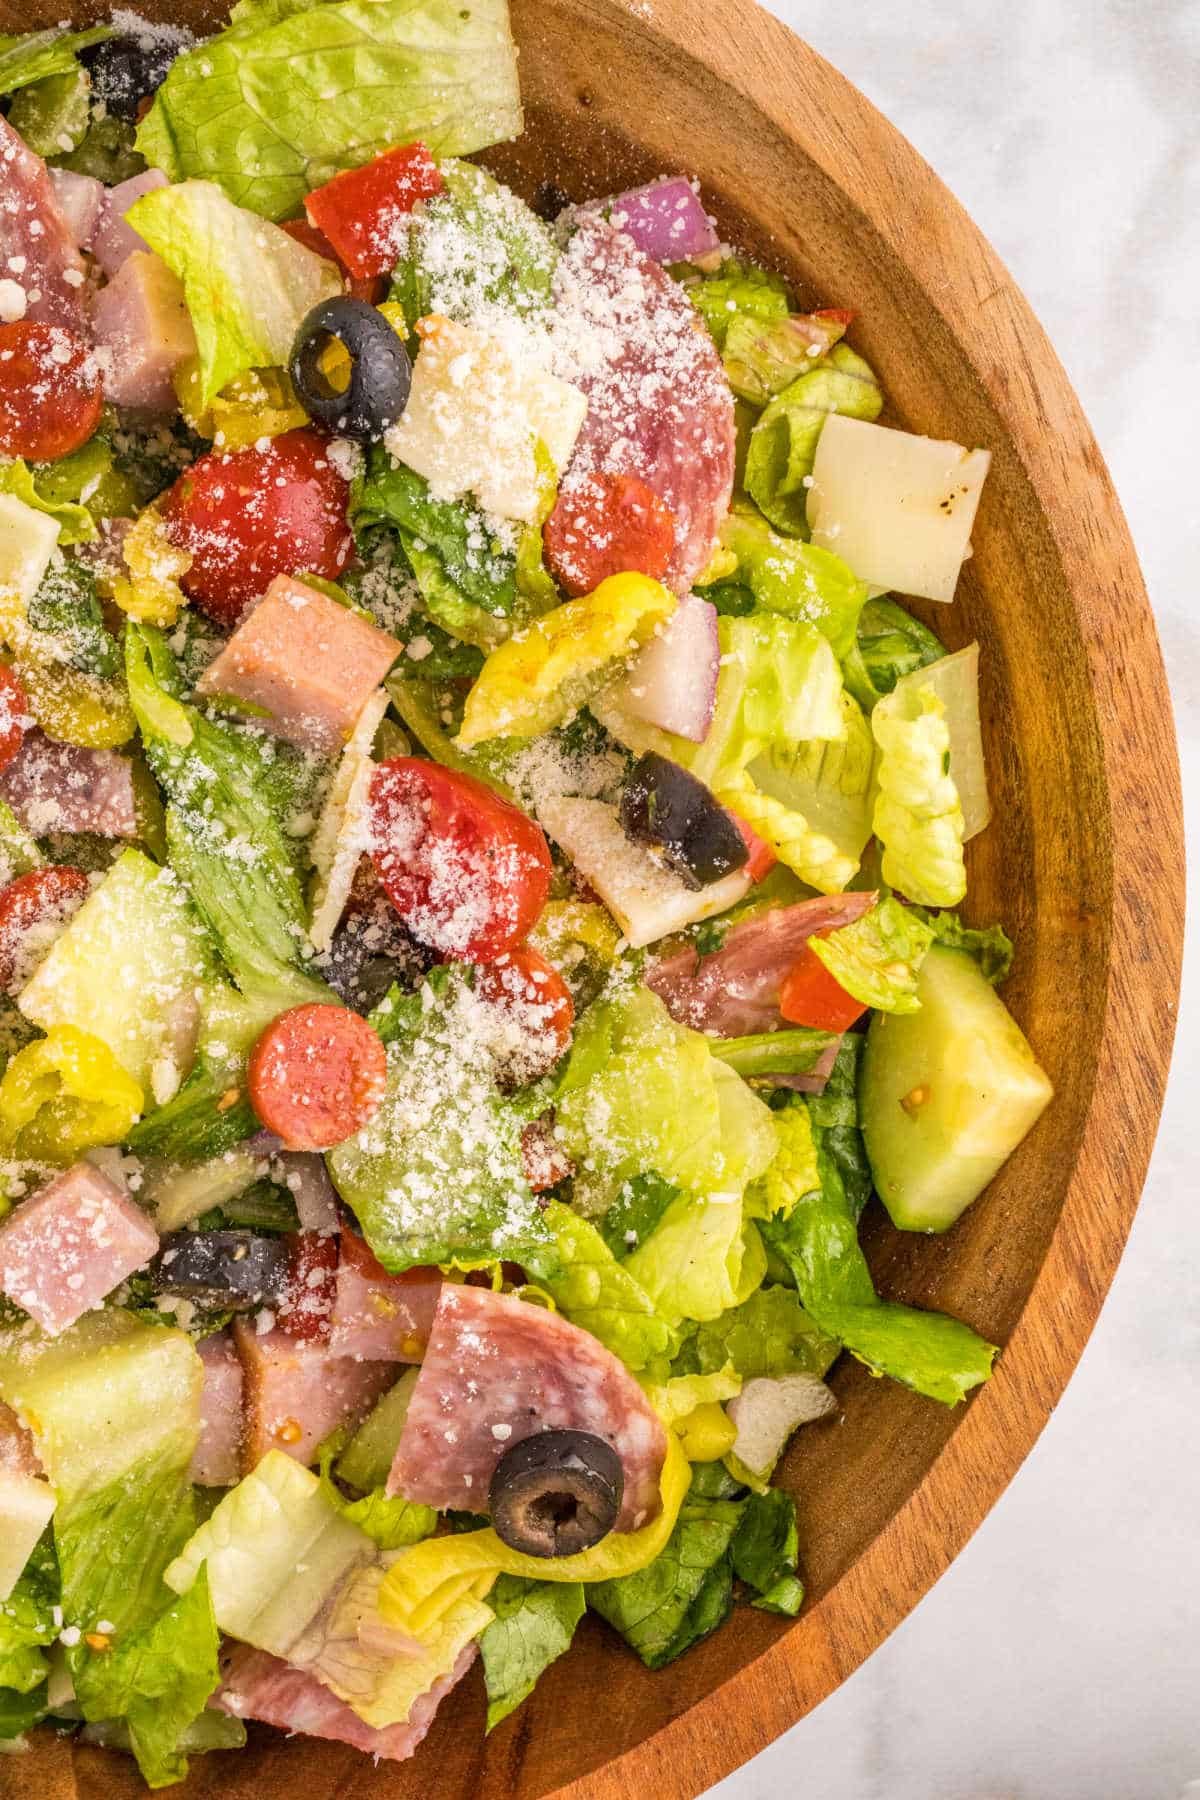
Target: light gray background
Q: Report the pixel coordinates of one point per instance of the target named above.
(1059, 1659)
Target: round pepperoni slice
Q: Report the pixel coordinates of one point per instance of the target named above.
(15, 716)
(33, 907)
(316, 1076)
(536, 1006)
(608, 524)
(51, 396)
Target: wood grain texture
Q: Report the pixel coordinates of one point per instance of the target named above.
(1083, 863)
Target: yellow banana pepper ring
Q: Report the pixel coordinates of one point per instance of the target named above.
(424, 1583)
(64, 1094)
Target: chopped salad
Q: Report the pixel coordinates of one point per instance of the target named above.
(480, 856)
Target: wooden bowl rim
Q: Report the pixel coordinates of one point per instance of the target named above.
(804, 1665)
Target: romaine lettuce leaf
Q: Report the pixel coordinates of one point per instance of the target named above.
(595, 1291)
(75, 522)
(793, 1051)
(736, 289)
(788, 576)
(768, 1335)
(38, 55)
(703, 1259)
(476, 253)
(66, 609)
(534, 1624)
(877, 957)
(679, 1396)
(889, 643)
(826, 781)
(835, 1111)
(990, 945)
(918, 818)
(930, 1352)
(27, 1624)
(764, 1552)
(783, 445)
(762, 357)
(684, 1594)
(635, 1212)
(285, 98)
(248, 284)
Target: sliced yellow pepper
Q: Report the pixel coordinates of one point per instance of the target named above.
(334, 360)
(63, 1094)
(708, 1433)
(568, 926)
(151, 591)
(77, 708)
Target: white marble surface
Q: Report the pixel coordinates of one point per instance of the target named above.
(1059, 1659)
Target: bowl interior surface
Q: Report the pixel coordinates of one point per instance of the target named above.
(723, 92)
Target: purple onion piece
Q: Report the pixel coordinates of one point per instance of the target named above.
(665, 219)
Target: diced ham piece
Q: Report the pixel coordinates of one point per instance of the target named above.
(17, 1453)
(114, 241)
(69, 1246)
(80, 198)
(377, 1315)
(65, 787)
(38, 250)
(499, 1369)
(217, 1460)
(296, 1393)
(143, 332)
(311, 663)
(659, 404)
(258, 1686)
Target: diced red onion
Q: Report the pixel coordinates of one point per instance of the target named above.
(665, 219)
(307, 1180)
(673, 683)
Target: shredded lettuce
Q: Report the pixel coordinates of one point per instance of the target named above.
(594, 1291)
(768, 1335)
(835, 1111)
(27, 1626)
(736, 289)
(286, 97)
(783, 445)
(764, 1552)
(878, 956)
(785, 575)
(827, 781)
(889, 643)
(795, 1051)
(534, 1624)
(248, 284)
(762, 357)
(918, 818)
(635, 1212)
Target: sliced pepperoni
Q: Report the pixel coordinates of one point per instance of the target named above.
(51, 394)
(536, 1006)
(608, 524)
(33, 910)
(38, 249)
(316, 1076)
(659, 403)
(499, 1369)
(15, 716)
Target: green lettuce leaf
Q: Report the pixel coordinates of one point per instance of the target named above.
(770, 1334)
(635, 1212)
(476, 253)
(930, 1352)
(75, 522)
(704, 1258)
(918, 818)
(788, 576)
(106, 151)
(248, 284)
(287, 96)
(990, 945)
(878, 956)
(762, 357)
(765, 1550)
(27, 1624)
(826, 781)
(795, 1051)
(783, 445)
(594, 1291)
(534, 1624)
(437, 1176)
(835, 1111)
(390, 1520)
(53, 115)
(468, 583)
(736, 289)
(889, 643)
(66, 607)
(38, 55)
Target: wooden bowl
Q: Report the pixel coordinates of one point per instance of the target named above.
(1083, 863)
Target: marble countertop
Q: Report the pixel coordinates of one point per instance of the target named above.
(1060, 1656)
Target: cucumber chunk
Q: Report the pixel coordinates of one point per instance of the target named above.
(946, 1094)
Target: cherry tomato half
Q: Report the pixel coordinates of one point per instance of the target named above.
(607, 525)
(51, 395)
(247, 517)
(811, 996)
(467, 872)
(49, 895)
(537, 1006)
(15, 716)
(316, 1076)
(364, 211)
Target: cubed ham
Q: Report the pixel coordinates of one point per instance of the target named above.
(258, 1686)
(218, 1455)
(377, 1315)
(311, 663)
(114, 242)
(80, 198)
(17, 1453)
(64, 787)
(296, 1393)
(63, 1251)
(143, 331)
(39, 256)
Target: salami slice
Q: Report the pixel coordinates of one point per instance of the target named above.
(498, 1370)
(37, 248)
(659, 404)
(53, 786)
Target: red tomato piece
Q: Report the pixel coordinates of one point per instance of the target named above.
(51, 395)
(247, 517)
(538, 1005)
(607, 525)
(762, 858)
(316, 241)
(306, 1311)
(841, 315)
(316, 1076)
(45, 896)
(467, 871)
(810, 995)
(364, 212)
(15, 716)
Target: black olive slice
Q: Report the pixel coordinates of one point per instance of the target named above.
(662, 805)
(380, 371)
(556, 1493)
(234, 1269)
(125, 69)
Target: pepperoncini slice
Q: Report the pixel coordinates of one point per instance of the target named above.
(76, 708)
(151, 591)
(64, 1094)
